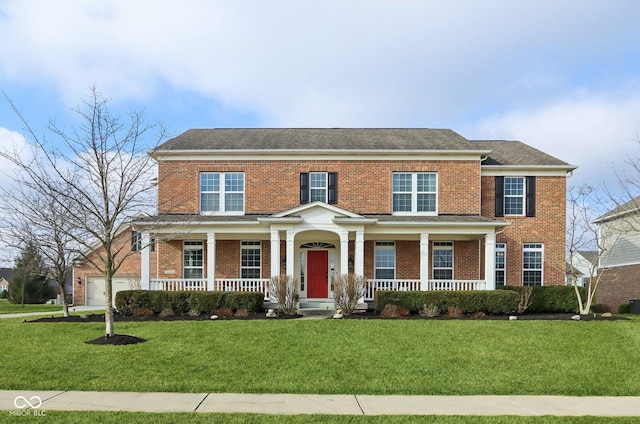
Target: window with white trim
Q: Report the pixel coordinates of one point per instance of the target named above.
(532, 264)
(501, 264)
(415, 193)
(443, 260)
(318, 186)
(250, 254)
(193, 259)
(385, 260)
(514, 195)
(222, 193)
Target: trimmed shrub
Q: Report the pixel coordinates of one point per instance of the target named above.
(469, 302)
(551, 299)
(625, 308)
(186, 302)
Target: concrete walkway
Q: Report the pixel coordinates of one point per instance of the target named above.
(289, 404)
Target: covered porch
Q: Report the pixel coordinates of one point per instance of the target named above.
(316, 242)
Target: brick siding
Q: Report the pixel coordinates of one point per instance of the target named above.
(617, 286)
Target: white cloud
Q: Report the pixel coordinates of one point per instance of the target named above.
(315, 63)
(595, 132)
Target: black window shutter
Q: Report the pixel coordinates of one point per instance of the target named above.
(531, 196)
(499, 196)
(332, 195)
(304, 188)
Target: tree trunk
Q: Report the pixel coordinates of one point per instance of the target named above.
(108, 302)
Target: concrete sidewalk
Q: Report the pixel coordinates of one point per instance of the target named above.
(289, 404)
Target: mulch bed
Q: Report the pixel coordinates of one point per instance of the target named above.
(122, 339)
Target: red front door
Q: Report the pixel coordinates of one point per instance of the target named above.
(317, 273)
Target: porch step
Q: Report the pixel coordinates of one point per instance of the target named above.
(316, 312)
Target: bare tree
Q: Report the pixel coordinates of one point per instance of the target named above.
(98, 174)
(35, 218)
(583, 234)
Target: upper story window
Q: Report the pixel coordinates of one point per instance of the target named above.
(415, 193)
(318, 187)
(516, 196)
(222, 193)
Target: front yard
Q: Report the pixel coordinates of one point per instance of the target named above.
(328, 356)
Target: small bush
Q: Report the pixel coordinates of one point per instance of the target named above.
(454, 312)
(394, 311)
(251, 301)
(284, 290)
(241, 313)
(625, 308)
(600, 308)
(429, 310)
(167, 312)
(224, 312)
(348, 289)
(143, 313)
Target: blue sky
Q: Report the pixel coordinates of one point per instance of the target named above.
(562, 76)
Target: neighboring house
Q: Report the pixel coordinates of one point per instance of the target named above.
(409, 209)
(89, 283)
(620, 260)
(5, 278)
(584, 265)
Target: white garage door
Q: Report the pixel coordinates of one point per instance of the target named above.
(95, 289)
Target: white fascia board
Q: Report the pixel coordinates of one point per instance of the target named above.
(194, 155)
(283, 220)
(526, 170)
(355, 220)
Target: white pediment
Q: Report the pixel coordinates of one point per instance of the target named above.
(316, 212)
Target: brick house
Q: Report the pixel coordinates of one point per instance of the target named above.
(409, 209)
(620, 260)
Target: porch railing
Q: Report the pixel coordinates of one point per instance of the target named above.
(223, 284)
(403, 285)
(456, 285)
(262, 285)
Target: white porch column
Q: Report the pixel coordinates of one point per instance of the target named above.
(211, 260)
(290, 254)
(344, 252)
(424, 261)
(490, 261)
(275, 253)
(145, 258)
(358, 262)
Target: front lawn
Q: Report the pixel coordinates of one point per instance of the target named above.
(439, 357)
(10, 308)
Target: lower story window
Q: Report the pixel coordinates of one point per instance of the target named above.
(250, 259)
(443, 260)
(192, 259)
(385, 260)
(532, 260)
(501, 263)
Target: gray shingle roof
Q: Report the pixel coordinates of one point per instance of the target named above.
(355, 139)
(318, 139)
(515, 153)
(631, 206)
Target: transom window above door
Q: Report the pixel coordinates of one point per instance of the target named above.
(415, 193)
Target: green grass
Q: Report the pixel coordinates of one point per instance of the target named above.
(197, 418)
(10, 308)
(329, 357)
